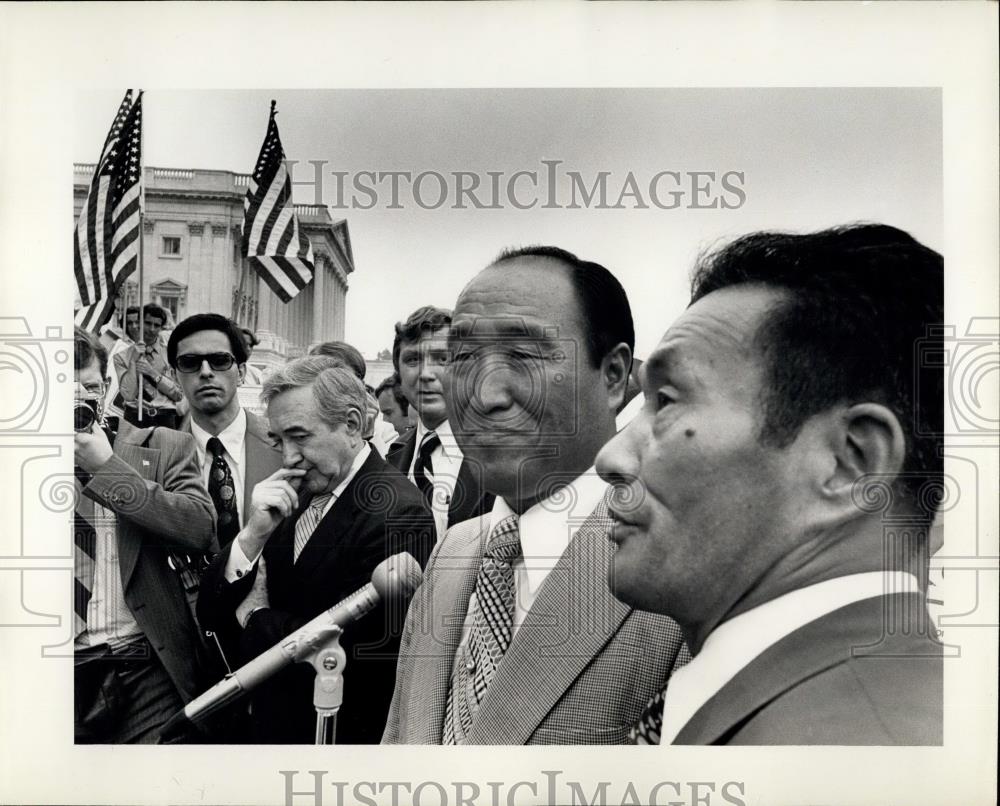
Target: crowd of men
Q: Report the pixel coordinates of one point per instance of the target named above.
(703, 566)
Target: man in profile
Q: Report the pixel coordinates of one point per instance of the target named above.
(315, 532)
(513, 637)
(784, 446)
(394, 406)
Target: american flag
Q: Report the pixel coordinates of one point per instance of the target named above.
(272, 240)
(106, 241)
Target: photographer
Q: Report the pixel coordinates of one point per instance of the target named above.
(140, 495)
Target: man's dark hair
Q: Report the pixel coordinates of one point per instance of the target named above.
(392, 384)
(151, 309)
(862, 304)
(249, 338)
(348, 355)
(604, 307)
(207, 321)
(87, 347)
(423, 320)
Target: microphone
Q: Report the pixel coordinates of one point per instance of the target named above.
(397, 576)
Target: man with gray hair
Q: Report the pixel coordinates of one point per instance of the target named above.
(316, 529)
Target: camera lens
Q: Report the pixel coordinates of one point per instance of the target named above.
(84, 415)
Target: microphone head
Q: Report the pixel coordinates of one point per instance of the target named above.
(398, 576)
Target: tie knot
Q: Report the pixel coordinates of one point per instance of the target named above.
(216, 447)
(505, 541)
(430, 443)
(319, 502)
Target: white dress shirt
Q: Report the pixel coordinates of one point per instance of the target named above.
(546, 530)
(238, 565)
(734, 643)
(233, 442)
(446, 459)
(109, 619)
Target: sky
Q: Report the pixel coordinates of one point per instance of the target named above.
(808, 159)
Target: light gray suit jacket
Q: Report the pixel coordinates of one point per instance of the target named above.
(580, 669)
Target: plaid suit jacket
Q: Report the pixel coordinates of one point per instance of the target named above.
(580, 669)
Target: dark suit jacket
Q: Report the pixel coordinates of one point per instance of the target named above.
(580, 669)
(469, 500)
(838, 680)
(378, 514)
(161, 505)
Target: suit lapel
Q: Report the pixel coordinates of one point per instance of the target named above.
(444, 607)
(572, 618)
(335, 532)
(813, 648)
(400, 453)
(145, 462)
(261, 459)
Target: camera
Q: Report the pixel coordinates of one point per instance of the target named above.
(84, 415)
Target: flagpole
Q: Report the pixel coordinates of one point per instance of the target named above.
(142, 215)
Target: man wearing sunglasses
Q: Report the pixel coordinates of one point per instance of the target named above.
(208, 355)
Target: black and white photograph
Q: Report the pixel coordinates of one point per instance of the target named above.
(449, 422)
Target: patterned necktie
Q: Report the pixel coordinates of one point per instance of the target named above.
(223, 493)
(84, 563)
(423, 470)
(307, 523)
(492, 621)
(647, 729)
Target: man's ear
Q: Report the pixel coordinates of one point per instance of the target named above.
(355, 422)
(866, 441)
(242, 369)
(615, 367)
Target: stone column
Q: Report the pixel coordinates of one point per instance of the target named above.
(319, 297)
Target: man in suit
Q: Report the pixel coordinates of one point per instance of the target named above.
(208, 356)
(777, 488)
(513, 637)
(315, 531)
(137, 657)
(430, 456)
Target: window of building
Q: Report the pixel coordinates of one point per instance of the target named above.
(171, 246)
(172, 296)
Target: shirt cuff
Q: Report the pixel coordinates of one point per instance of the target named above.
(237, 565)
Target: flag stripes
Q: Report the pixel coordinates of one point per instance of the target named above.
(105, 243)
(274, 244)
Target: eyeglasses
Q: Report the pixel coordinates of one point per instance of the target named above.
(219, 362)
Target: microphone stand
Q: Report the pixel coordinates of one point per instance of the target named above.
(328, 659)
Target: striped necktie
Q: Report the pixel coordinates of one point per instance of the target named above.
(307, 523)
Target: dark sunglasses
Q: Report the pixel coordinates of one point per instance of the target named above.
(219, 362)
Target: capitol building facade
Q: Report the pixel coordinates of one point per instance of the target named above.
(192, 261)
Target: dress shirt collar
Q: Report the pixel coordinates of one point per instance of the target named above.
(231, 437)
(359, 460)
(735, 643)
(448, 444)
(547, 528)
